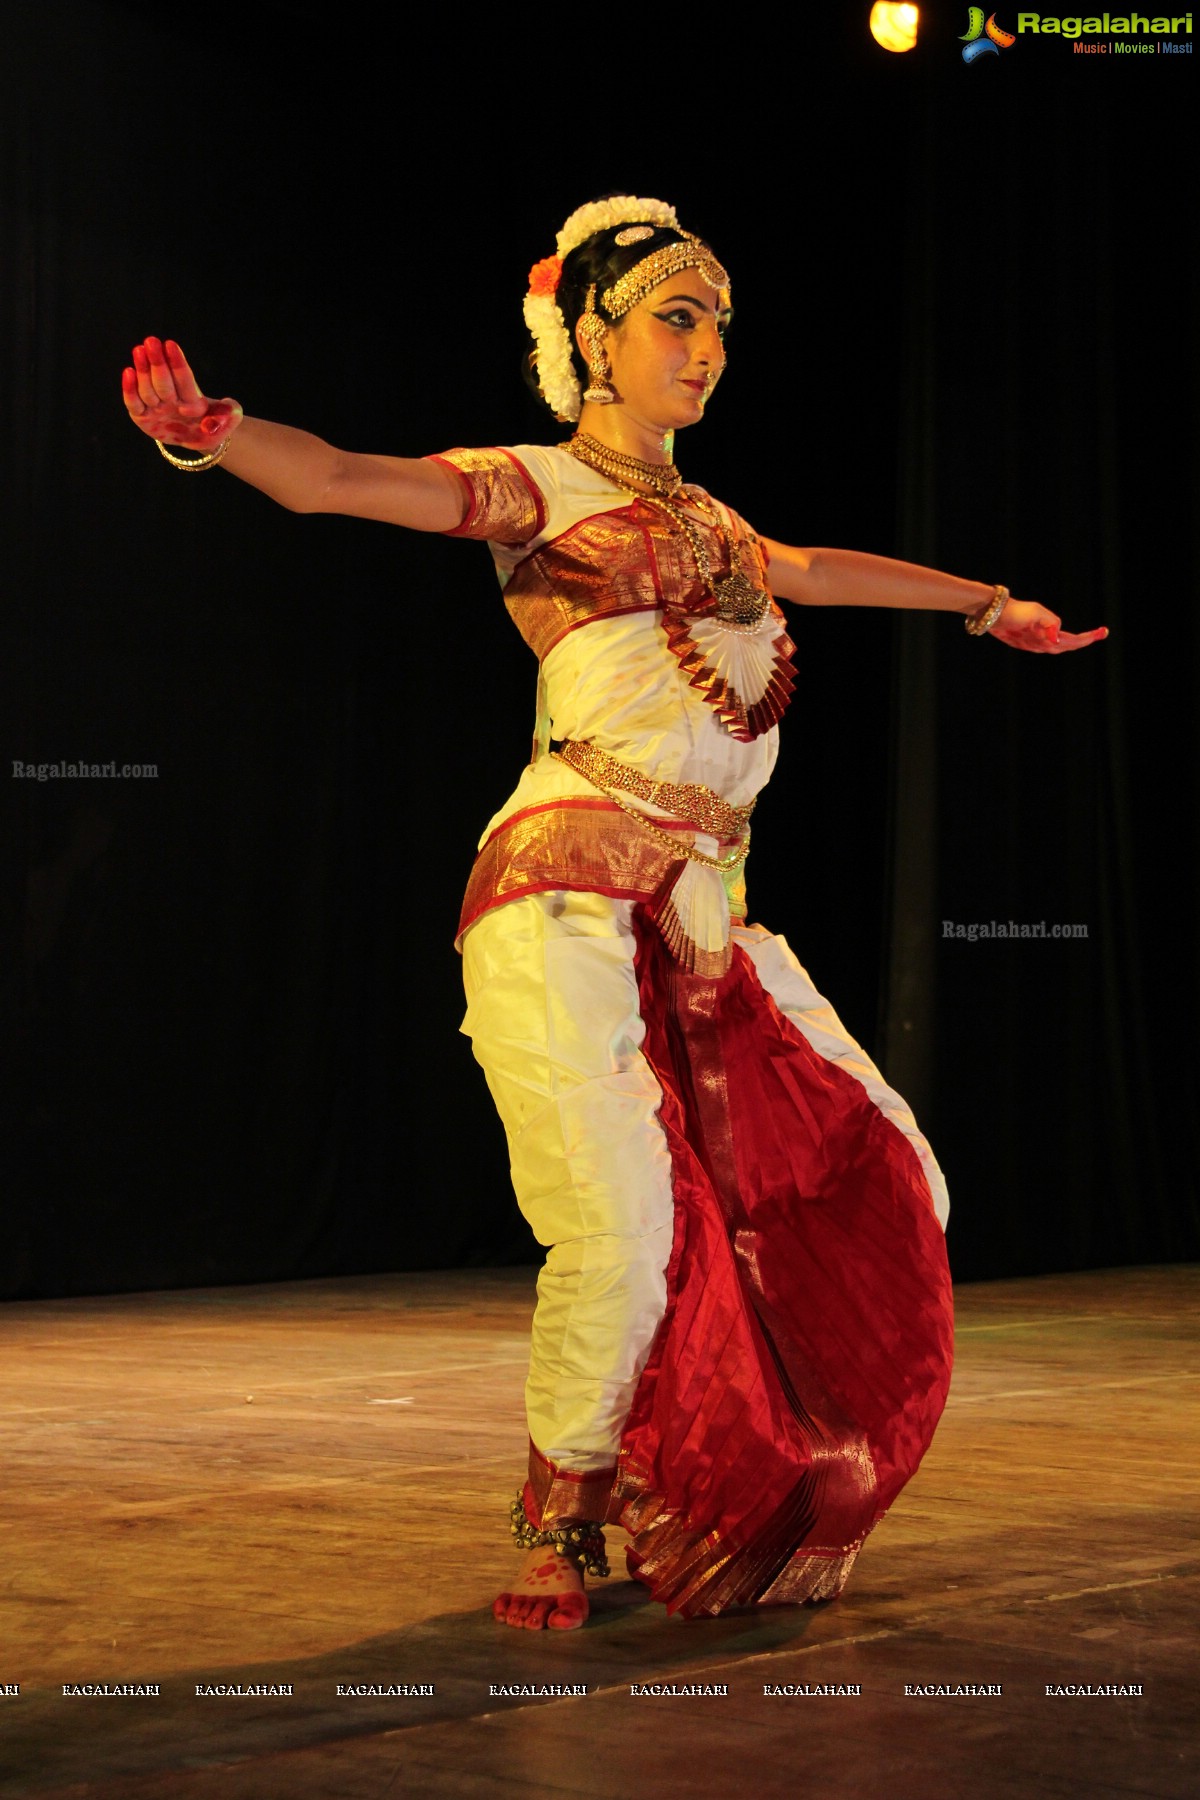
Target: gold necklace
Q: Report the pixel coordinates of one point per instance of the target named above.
(663, 478)
(740, 603)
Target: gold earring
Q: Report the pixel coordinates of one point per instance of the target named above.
(592, 329)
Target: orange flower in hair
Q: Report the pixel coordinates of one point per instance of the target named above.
(545, 276)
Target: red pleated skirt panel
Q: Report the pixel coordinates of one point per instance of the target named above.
(804, 1357)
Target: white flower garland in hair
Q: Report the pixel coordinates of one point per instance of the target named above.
(599, 215)
(556, 378)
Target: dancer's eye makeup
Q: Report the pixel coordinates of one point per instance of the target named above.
(686, 320)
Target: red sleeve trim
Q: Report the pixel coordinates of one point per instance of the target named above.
(531, 487)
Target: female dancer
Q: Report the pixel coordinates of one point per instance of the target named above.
(742, 1340)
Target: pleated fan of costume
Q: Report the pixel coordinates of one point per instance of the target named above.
(804, 1359)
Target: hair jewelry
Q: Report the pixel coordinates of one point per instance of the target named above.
(639, 219)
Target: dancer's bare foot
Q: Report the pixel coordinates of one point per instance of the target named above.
(547, 1593)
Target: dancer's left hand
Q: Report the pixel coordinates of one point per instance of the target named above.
(1027, 626)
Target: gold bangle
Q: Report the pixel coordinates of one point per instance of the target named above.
(982, 622)
(194, 462)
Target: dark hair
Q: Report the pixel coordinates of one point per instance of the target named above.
(602, 260)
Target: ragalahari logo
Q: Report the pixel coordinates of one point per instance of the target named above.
(983, 39)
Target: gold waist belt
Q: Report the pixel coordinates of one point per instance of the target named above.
(700, 806)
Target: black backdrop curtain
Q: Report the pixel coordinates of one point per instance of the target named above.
(966, 335)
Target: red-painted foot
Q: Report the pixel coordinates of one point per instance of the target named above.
(546, 1596)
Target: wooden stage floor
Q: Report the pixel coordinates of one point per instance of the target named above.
(307, 1486)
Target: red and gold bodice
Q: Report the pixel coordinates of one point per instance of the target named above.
(641, 659)
(572, 550)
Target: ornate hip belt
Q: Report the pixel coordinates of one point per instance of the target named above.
(699, 805)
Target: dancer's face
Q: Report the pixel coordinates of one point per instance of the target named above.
(667, 355)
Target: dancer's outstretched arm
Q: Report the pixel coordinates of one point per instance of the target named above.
(300, 471)
(855, 578)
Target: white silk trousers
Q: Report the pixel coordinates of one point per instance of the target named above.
(552, 1014)
(554, 1020)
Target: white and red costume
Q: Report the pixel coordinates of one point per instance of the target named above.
(742, 1341)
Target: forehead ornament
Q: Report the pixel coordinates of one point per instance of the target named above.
(644, 276)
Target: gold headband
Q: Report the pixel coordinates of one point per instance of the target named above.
(637, 282)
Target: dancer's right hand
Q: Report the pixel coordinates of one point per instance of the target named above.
(163, 400)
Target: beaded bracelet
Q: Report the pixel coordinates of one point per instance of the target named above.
(982, 622)
(195, 462)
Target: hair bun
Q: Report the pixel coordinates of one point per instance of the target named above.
(618, 209)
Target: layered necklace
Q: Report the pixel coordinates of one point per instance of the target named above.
(663, 479)
(739, 602)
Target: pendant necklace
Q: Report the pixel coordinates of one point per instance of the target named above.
(739, 602)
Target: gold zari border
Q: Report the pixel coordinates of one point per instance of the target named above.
(581, 844)
(599, 569)
(503, 502)
(701, 1574)
(563, 1498)
(809, 1577)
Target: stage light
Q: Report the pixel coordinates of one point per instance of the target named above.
(894, 27)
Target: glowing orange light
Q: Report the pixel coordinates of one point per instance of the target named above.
(894, 27)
